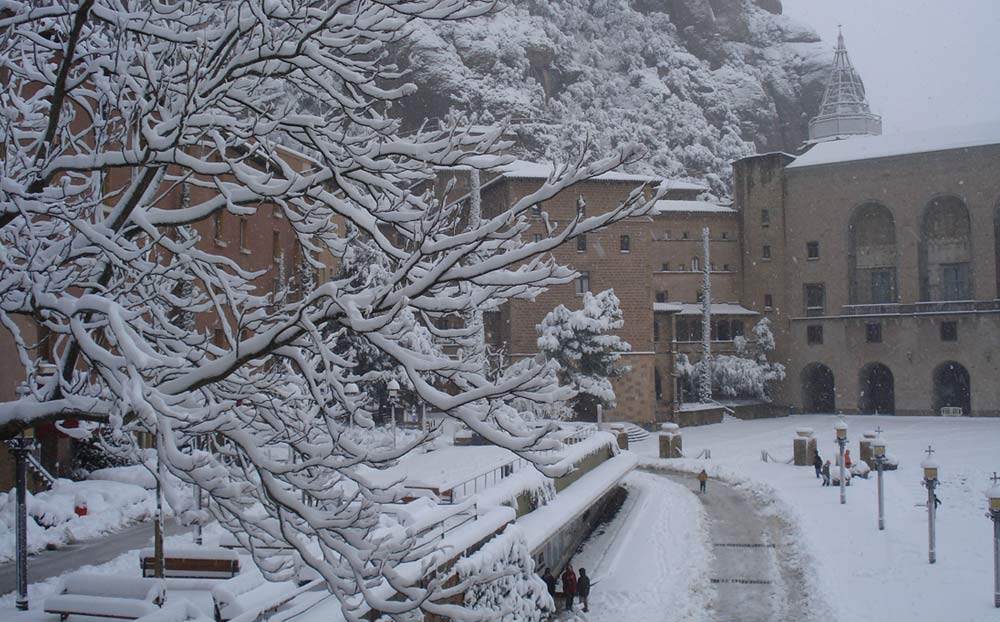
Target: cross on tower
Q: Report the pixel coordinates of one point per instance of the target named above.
(878, 430)
(996, 478)
(929, 451)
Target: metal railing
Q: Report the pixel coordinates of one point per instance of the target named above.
(918, 308)
(39, 470)
(766, 457)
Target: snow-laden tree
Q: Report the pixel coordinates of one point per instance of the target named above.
(109, 109)
(747, 374)
(587, 352)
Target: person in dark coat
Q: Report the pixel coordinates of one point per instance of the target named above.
(550, 583)
(826, 473)
(583, 588)
(818, 464)
(702, 480)
(569, 586)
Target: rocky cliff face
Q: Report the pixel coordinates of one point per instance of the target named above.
(699, 82)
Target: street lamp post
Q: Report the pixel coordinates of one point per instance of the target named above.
(878, 447)
(994, 513)
(930, 481)
(393, 387)
(21, 446)
(841, 429)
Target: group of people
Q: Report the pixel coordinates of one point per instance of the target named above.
(823, 468)
(572, 586)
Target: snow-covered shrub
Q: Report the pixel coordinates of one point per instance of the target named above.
(746, 374)
(504, 580)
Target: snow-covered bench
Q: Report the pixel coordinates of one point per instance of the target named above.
(194, 563)
(176, 611)
(247, 592)
(125, 598)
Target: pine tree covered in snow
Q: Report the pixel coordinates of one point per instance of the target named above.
(587, 354)
(106, 111)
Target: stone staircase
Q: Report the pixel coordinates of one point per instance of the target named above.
(635, 433)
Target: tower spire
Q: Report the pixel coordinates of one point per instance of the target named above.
(844, 111)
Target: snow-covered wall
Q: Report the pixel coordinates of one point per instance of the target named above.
(699, 82)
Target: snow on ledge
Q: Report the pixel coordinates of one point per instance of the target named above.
(674, 205)
(575, 499)
(693, 308)
(870, 147)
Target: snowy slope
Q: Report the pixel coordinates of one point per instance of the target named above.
(699, 83)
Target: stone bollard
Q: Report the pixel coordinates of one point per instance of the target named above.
(865, 451)
(618, 430)
(803, 447)
(670, 440)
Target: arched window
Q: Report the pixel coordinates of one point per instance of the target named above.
(872, 255)
(946, 251)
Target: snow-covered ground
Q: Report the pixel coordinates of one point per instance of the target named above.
(110, 505)
(651, 562)
(868, 574)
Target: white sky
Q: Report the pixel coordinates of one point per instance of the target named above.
(925, 63)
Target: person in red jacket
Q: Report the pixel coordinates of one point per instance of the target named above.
(847, 458)
(569, 586)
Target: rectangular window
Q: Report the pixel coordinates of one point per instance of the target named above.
(538, 237)
(662, 296)
(244, 235)
(725, 267)
(765, 218)
(722, 332)
(581, 243)
(665, 267)
(766, 252)
(815, 297)
(583, 284)
(685, 235)
(812, 250)
(275, 245)
(873, 332)
(814, 335)
(725, 235)
(625, 244)
(883, 286)
(949, 331)
(219, 220)
(955, 281)
(768, 301)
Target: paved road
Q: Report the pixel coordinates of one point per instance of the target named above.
(755, 571)
(47, 564)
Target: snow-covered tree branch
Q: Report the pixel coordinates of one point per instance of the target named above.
(129, 130)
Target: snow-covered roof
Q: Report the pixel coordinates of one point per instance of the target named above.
(689, 308)
(869, 147)
(671, 205)
(523, 169)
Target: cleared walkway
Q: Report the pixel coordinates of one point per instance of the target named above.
(48, 564)
(755, 571)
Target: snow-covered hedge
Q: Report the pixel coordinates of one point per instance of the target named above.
(505, 581)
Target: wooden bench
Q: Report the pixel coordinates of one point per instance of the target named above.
(124, 598)
(195, 563)
(247, 593)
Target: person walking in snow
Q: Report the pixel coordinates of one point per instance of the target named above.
(569, 586)
(826, 473)
(583, 588)
(818, 464)
(702, 480)
(847, 458)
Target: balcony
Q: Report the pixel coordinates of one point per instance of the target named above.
(923, 308)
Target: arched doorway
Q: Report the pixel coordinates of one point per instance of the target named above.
(877, 390)
(952, 387)
(818, 389)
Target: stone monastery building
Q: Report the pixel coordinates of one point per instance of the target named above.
(876, 258)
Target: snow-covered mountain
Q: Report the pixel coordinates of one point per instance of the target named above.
(699, 82)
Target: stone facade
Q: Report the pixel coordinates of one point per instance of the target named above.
(904, 250)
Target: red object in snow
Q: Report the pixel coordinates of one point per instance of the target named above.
(80, 511)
